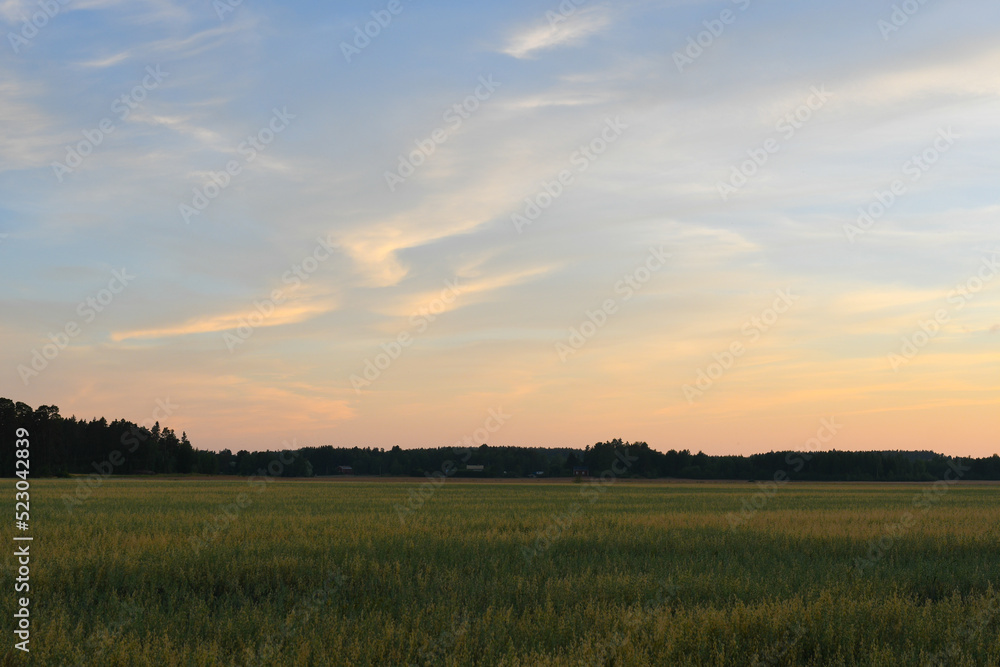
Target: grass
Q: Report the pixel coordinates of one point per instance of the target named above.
(314, 573)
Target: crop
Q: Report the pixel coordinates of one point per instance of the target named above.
(191, 572)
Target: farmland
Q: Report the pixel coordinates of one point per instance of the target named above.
(209, 572)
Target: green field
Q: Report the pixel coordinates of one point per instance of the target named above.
(317, 573)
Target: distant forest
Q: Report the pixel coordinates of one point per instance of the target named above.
(63, 446)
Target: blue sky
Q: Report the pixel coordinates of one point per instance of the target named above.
(561, 74)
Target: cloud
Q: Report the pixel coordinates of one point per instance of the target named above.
(110, 61)
(973, 75)
(13, 11)
(559, 31)
(448, 212)
(28, 131)
(467, 292)
(298, 310)
(518, 293)
(557, 99)
(308, 406)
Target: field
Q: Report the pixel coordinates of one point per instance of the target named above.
(171, 572)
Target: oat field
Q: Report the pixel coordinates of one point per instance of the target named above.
(203, 572)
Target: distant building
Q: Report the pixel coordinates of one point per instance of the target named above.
(474, 468)
(580, 471)
(345, 470)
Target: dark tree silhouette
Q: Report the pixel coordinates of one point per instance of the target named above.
(66, 445)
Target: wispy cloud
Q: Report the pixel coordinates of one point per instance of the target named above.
(28, 131)
(557, 99)
(469, 291)
(109, 61)
(538, 142)
(293, 311)
(558, 31)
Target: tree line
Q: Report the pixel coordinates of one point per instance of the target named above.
(62, 446)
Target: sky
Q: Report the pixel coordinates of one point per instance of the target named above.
(723, 226)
